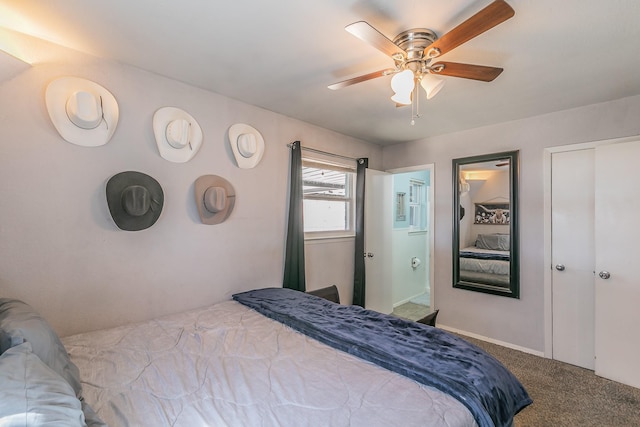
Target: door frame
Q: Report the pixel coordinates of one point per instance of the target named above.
(548, 266)
(430, 167)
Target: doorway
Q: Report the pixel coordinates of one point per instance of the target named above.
(411, 242)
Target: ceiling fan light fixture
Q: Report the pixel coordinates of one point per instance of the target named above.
(402, 85)
(402, 99)
(431, 84)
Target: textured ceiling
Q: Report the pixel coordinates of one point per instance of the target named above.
(282, 54)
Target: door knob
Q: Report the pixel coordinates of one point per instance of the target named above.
(560, 267)
(369, 255)
(604, 274)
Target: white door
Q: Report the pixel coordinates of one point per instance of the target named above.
(377, 223)
(573, 257)
(617, 309)
(607, 223)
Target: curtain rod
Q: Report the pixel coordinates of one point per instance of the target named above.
(326, 153)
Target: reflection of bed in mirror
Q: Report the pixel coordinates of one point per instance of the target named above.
(487, 262)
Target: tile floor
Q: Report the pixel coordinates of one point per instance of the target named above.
(411, 311)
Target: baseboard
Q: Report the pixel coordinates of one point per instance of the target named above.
(404, 301)
(493, 341)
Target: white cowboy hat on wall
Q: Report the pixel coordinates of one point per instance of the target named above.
(178, 134)
(247, 145)
(83, 112)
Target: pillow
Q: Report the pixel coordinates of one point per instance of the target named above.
(90, 416)
(494, 242)
(5, 341)
(33, 394)
(20, 323)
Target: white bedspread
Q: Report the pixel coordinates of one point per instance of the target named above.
(490, 266)
(227, 365)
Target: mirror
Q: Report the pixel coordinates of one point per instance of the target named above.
(485, 226)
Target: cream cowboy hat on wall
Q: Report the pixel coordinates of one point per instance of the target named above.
(247, 145)
(178, 134)
(215, 198)
(83, 112)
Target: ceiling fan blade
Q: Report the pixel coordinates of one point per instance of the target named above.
(360, 79)
(466, 71)
(492, 15)
(375, 38)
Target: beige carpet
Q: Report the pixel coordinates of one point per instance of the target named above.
(566, 395)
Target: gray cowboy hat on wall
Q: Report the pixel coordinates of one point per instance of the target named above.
(215, 198)
(135, 200)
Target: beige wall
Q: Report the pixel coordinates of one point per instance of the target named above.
(518, 322)
(330, 262)
(59, 248)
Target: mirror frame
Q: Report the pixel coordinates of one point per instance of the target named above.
(513, 290)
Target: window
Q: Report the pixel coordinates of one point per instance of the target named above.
(417, 205)
(328, 193)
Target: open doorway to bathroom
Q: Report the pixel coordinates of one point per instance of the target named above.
(412, 242)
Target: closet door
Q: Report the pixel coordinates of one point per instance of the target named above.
(617, 293)
(573, 256)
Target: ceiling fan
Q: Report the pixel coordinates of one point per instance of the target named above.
(414, 50)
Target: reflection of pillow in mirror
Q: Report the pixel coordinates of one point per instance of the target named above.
(495, 242)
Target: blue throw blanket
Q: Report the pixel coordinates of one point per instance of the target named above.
(428, 355)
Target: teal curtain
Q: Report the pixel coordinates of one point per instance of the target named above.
(359, 267)
(294, 252)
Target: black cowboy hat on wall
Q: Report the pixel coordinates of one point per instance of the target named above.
(135, 200)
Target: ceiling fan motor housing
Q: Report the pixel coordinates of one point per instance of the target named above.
(414, 42)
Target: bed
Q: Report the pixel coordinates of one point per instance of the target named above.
(270, 357)
(487, 261)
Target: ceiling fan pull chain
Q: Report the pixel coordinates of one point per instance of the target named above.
(413, 121)
(415, 104)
